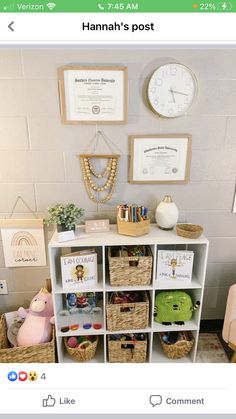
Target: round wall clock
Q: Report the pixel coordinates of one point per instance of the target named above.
(171, 90)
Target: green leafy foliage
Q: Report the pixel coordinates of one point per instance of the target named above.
(67, 215)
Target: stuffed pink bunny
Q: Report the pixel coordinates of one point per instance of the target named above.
(37, 327)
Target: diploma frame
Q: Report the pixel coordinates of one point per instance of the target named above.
(67, 94)
(179, 174)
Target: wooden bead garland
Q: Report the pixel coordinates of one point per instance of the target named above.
(90, 175)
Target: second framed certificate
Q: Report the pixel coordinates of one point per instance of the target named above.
(93, 95)
(160, 158)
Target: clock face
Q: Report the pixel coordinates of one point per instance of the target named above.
(171, 90)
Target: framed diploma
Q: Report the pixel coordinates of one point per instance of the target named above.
(93, 95)
(160, 158)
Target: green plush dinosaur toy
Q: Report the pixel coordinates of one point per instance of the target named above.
(173, 306)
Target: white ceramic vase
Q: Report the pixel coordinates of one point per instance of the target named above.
(167, 214)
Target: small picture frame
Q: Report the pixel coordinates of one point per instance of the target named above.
(97, 226)
(160, 158)
(93, 95)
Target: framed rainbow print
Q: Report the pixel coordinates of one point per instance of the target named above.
(23, 242)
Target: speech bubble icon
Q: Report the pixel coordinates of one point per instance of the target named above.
(155, 400)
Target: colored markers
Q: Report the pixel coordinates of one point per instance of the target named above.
(132, 213)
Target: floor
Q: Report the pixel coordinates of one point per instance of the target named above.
(213, 328)
(210, 349)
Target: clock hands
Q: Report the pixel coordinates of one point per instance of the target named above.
(179, 93)
(172, 94)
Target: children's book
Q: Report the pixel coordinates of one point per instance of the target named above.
(175, 265)
(79, 269)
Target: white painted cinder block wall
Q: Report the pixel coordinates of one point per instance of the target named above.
(38, 158)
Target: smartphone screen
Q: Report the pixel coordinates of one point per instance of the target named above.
(117, 208)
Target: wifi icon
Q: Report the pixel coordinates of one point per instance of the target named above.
(51, 6)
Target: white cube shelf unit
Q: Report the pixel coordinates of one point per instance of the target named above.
(157, 239)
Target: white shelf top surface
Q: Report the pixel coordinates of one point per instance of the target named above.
(112, 238)
(125, 331)
(177, 285)
(159, 327)
(81, 332)
(112, 288)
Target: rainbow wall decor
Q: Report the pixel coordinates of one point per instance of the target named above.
(23, 238)
(24, 246)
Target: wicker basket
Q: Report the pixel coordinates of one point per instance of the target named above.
(85, 352)
(179, 349)
(123, 272)
(128, 316)
(128, 351)
(190, 231)
(44, 352)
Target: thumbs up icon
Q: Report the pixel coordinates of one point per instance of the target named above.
(49, 402)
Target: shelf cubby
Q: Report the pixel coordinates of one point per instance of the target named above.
(157, 240)
(158, 355)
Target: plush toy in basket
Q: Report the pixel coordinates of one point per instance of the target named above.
(81, 348)
(174, 306)
(11, 353)
(176, 344)
(37, 326)
(13, 328)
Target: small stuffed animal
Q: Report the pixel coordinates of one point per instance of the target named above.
(174, 306)
(37, 327)
(13, 330)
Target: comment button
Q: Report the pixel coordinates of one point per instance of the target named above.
(155, 400)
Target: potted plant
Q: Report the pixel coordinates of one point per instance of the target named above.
(65, 216)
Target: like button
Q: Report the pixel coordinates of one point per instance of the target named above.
(49, 402)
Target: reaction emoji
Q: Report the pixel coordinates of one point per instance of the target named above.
(12, 376)
(22, 376)
(33, 376)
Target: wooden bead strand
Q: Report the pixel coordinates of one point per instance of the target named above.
(109, 174)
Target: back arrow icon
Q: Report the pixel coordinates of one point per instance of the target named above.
(10, 26)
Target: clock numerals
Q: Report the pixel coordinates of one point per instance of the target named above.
(186, 101)
(158, 82)
(173, 71)
(164, 73)
(189, 82)
(190, 90)
(171, 90)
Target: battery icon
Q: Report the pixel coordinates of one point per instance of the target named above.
(224, 6)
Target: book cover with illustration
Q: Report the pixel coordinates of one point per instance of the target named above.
(79, 269)
(175, 265)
